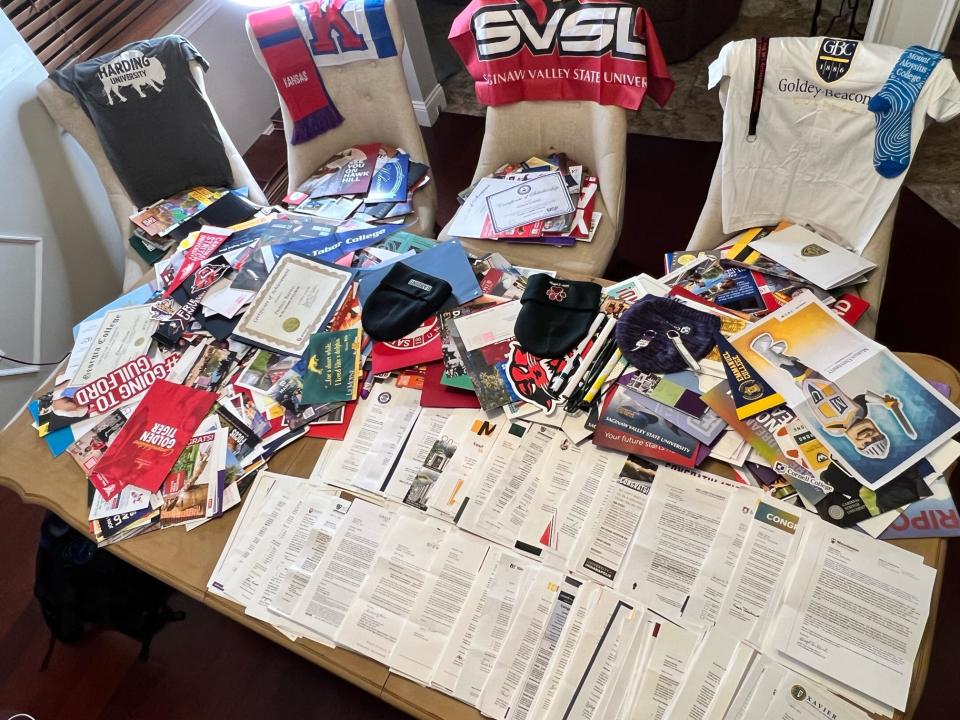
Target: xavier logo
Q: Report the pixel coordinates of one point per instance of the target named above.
(576, 28)
(750, 389)
(130, 69)
(812, 250)
(835, 58)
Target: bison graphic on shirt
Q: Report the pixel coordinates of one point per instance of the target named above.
(131, 69)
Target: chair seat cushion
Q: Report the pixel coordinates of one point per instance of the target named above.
(585, 258)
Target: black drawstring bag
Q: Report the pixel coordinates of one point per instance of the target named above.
(79, 585)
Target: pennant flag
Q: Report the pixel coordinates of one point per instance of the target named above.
(751, 393)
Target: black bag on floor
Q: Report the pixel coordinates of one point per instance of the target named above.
(79, 586)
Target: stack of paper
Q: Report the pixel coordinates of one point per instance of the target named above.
(369, 183)
(521, 636)
(536, 201)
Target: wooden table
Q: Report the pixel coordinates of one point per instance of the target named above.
(185, 560)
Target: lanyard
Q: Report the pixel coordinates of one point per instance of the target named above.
(759, 71)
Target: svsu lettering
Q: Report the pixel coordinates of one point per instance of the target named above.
(503, 30)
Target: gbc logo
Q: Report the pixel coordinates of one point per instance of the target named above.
(503, 30)
(839, 48)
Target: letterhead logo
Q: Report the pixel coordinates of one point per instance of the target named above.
(573, 27)
(834, 58)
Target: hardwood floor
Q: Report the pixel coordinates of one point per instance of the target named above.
(209, 667)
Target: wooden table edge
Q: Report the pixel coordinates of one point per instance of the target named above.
(384, 688)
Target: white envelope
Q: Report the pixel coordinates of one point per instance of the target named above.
(824, 263)
(488, 326)
(471, 217)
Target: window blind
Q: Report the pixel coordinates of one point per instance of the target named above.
(63, 31)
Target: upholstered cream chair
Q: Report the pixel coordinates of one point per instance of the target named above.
(372, 97)
(590, 134)
(708, 234)
(70, 116)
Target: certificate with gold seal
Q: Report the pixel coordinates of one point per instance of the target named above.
(297, 296)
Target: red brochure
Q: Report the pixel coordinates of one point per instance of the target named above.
(436, 394)
(850, 307)
(152, 439)
(419, 347)
(334, 431)
(585, 205)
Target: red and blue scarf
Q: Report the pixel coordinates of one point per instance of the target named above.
(298, 39)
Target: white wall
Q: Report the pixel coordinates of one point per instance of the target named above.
(239, 88)
(425, 91)
(70, 259)
(912, 22)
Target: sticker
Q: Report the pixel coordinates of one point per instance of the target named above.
(529, 377)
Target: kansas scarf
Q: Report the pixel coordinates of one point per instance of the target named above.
(298, 39)
(602, 50)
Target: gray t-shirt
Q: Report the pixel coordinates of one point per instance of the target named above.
(151, 117)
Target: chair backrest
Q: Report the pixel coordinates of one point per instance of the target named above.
(589, 133)
(63, 107)
(68, 114)
(373, 99)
